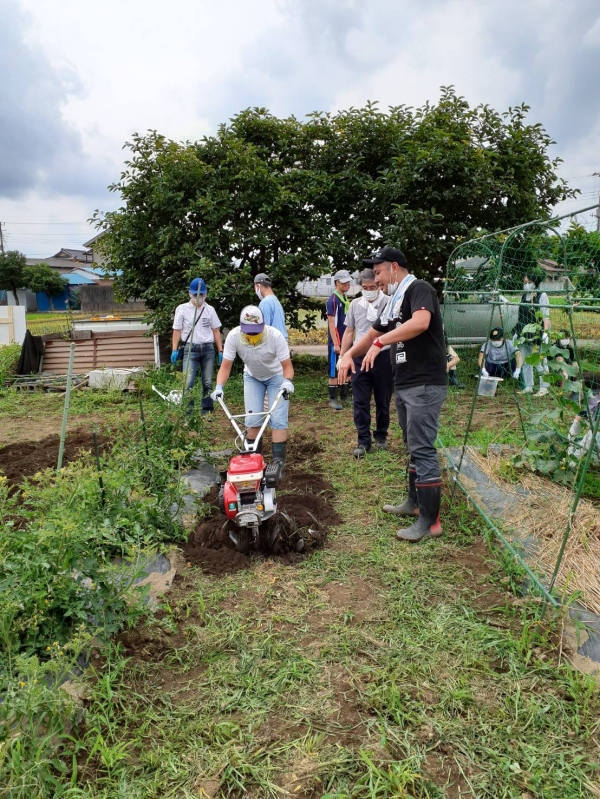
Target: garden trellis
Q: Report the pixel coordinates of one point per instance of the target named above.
(549, 465)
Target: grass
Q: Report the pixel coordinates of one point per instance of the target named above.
(371, 669)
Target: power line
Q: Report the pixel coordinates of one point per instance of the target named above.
(72, 224)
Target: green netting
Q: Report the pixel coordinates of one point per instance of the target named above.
(537, 437)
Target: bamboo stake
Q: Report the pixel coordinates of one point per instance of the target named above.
(63, 433)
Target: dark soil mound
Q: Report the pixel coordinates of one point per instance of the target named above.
(26, 458)
(304, 516)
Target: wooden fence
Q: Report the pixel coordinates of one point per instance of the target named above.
(101, 300)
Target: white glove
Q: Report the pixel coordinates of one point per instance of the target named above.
(545, 337)
(218, 392)
(484, 372)
(517, 372)
(288, 386)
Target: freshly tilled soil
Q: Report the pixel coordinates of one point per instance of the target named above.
(304, 516)
(26, 458)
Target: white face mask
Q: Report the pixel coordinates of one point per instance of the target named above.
(528, 287)
(371, 296)
(563, 342)
(258, 294)
(391, 288)
(497, 344)
(197, 300)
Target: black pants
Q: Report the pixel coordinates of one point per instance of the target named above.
(504, 369)
(378, 382)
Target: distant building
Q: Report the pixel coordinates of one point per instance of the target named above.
(324, 286)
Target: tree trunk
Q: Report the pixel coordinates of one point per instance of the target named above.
(16, 296)
(50, 301)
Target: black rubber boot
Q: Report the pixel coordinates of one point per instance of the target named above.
(334, 402)
(251, 441)
(428, 524)
(410, 506)
(344, 392)
(453, 379)
(279, 452)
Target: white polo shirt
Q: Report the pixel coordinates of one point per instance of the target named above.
(262, 361)
(206, 321)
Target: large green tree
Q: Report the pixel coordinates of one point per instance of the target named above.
(12, 264)
(41, 277)
(301, 198)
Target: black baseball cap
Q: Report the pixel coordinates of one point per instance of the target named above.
(263, 279)
(391, 254)
(496, 334)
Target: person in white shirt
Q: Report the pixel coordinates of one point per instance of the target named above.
(197, 325)
(533, 303)
(267, 369)
(362, 312)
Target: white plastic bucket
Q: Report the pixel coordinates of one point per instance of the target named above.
(487, 386)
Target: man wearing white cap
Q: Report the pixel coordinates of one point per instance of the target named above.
(337, 307)
(267, 369)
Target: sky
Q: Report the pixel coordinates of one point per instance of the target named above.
(78, 78)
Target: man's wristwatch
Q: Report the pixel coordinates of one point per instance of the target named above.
(377, 343)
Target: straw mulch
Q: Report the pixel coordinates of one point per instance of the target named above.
(545, 515)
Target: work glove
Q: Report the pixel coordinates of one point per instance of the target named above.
(218, 392)
(517, 372)
(484, 372)
(545, 338)
(174, 357)
(288, 386)
(219, 359)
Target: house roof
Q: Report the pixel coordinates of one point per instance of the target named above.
(551, 266)
(60, 264)
(73, 255)
(94, 239)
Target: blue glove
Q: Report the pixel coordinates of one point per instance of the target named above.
(174, 357)
(218, 392)
(219, 359)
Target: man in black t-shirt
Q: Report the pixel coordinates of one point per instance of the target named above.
(412, 325)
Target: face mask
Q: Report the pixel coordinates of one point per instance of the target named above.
(253, 340)
(197, 300)
(563, 342)
(391, 288)
(527, 287)
(258, 294)
(370, 296)
(497, 344)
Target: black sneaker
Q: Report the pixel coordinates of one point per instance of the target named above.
(381, 443)
(361, 451)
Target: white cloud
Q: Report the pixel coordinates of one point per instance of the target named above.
(182, 67)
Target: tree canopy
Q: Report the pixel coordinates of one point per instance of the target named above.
(299, 199)
(12, 264)
(41, 277)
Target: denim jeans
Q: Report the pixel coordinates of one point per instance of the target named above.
(378, 383)
(254, 398)
(418, 415)
(200, 358)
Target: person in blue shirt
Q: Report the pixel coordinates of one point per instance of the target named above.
(271, 308)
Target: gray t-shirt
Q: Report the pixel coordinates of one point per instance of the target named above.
(358, 314)
(501, 354)
(262, 361)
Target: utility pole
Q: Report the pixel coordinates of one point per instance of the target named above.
(1, 240)
(597, 214)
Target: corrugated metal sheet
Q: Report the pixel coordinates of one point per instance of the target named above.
(117, 351)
